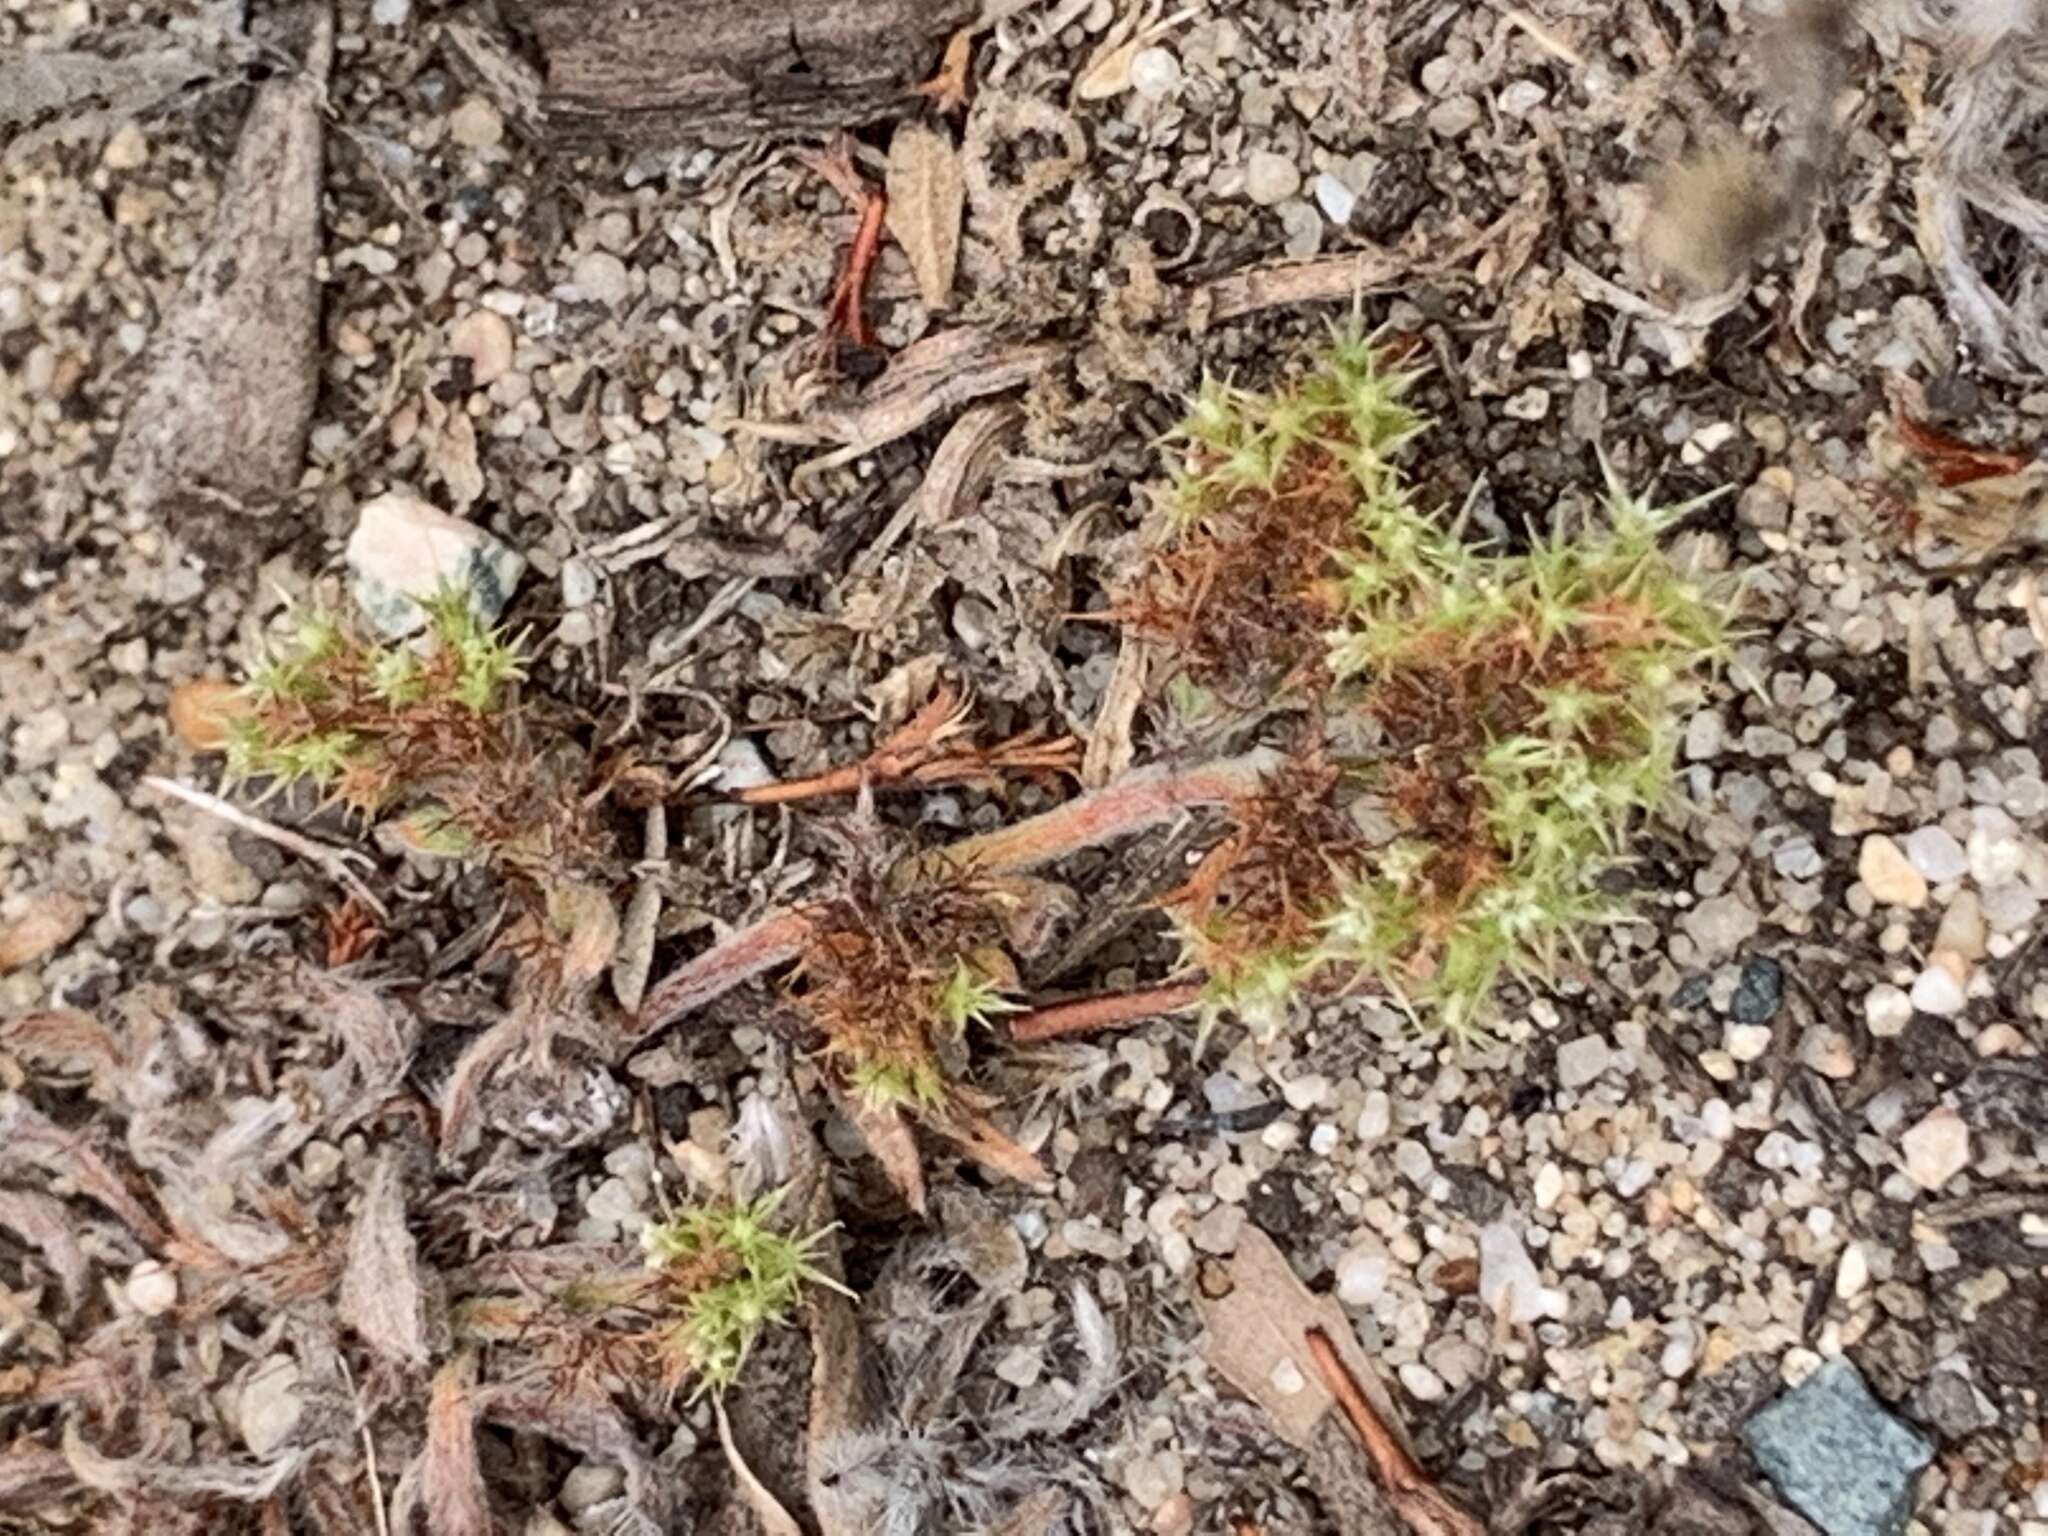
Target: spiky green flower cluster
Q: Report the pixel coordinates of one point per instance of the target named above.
(740, 1277)
(331, 708)
(1525, 705)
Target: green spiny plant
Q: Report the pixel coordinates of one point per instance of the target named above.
(1516, 710)
(731, 1275)
(424, 728)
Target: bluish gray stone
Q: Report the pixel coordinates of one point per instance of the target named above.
(1837, 1456)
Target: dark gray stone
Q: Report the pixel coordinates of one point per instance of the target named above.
(1837, 1456)
(1759, 992)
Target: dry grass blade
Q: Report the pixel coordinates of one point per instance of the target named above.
(888, 1135)
(239, 1482)
(333, 861)
(1423, 1507)
(767, 1509)
(1088, 1015)
(1137, 801)
(932, 378)
(380, 1287)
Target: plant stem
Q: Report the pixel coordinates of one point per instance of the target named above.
(1131, 804)
(1088, 1014)
(775, 940)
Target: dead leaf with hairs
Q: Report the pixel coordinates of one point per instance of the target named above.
(52, 921)
(42, 1222)
(380, 1289)
(927, 198)
(451, 1482)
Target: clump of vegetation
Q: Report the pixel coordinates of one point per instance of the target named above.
(730, 1276)
(424, 729)
(1481, 727)
(716, 1278)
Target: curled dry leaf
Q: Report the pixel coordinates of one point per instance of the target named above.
(927, 196)
(380, 1288)
(51, 922)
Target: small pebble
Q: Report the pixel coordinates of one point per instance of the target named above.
(151, 1289)
(1746, 1042)
(1582, 1061)
(1936, 854)
(1889, 875)
(1887, 1010)
(601, 278)
(1270, 179)
(1337, 201)
(1852, 1273)
(1939, 988)
(1937, 1148)
(1421, 1383)
(476, 124)
(1155, 73)
(485, 338)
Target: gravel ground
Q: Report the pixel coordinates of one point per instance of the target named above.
(1793, 1115)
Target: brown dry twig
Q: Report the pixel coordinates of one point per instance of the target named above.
(1088, 1015)
(1423, 1507)
(927, 750)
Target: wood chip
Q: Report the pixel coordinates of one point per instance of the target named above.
(225, 399)
(927, 197)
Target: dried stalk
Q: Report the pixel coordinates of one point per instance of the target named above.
(1134, 803)
(333, 861)
(1089, 1014)
(1423, 1507)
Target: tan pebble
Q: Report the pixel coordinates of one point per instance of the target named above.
(484, 337)
(201, 711)
(2000, 1040)
(476, 124)
(1937, 1148)
(1176, 1517)
(126, 150)
(1889, 875)
(1962, 928)
(151, 1289)
(404, 425)
(351, 342)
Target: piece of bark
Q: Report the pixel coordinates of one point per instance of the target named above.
(668, 72)
(225, 400)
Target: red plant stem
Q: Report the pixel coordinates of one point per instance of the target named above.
(775, 940)
(1132, 804)
(1088, 1014)
(834, 781)
(848, 315)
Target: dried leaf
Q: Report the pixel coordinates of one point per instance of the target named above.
(51, 922)
(927, 196)
(452, 1484)
(1258, 1340)
(452, 453)
(380, 1288)
(200, 711)
(65, 1040)
(592, 923)
(1039, 1515)
(635, 957)
(42, 1222)
(775, 1520)
(889, 1136)
(934, 377)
